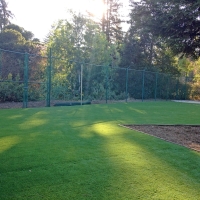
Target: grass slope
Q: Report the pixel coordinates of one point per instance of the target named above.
(81, 153)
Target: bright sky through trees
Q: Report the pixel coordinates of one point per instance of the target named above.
(37, 16)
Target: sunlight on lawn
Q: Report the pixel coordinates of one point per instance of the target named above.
(8, 142)
(82, 153)
(138, 111)
(117, 110)
(31, 123)
(138, 168)
(15, 116)
(106, 129)
(36, 120)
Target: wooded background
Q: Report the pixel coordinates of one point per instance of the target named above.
(157, 57)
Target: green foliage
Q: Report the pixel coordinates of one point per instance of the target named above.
(195, 91)
(80, 39)
(26, 34)
(5, 14)
(111, 22)
(11, 90)
(191, 68)
(10, 38)
(176, 22)
(142, 50)
(16, 39)
(185, 65)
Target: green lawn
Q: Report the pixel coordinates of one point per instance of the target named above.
(82, 153)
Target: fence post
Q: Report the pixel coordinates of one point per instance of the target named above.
(127, 84)
(185, 86)
(156, 85)
(48, 103)
(25, 95)
(107, 84)
(81, 84)
(167, 85)
(143, 73)
(177, 83)
(0, 63)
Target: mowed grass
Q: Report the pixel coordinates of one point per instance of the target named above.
(82, 153)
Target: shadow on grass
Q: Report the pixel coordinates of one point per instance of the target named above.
(177, 165)
(67, 165)
(70, 153)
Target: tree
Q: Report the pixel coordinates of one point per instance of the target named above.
(141, 50)
(80, 39)
(144, 49)
(28, 35)
(111, 21)
(13, 40)
(5, 14)
(175, 21)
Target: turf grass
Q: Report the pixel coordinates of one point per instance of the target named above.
(82, 153)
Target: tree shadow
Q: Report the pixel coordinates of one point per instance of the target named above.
(69, 153)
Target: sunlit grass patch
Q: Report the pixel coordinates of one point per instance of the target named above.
(8, 142)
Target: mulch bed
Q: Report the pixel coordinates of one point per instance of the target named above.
(185, 135)
(31, 104)
(37, 104)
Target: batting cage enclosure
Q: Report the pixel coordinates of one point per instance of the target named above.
(48, 80)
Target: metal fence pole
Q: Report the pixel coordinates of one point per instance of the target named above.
(143, 73)
(127, 84)
(49, 68)
(25, 95)
(81, 84)
(185, 86)
(156, 85)
(167, 85)
(107, 84)
(0, 62)
(177, 83)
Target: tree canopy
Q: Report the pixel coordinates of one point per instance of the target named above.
(160, 31)
(176, 21)
(5, 14)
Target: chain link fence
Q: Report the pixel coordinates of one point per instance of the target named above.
(22, 78)
(46, 81)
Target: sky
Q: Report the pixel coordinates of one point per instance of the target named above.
(38, 16)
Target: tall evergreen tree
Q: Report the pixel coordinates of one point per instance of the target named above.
(112, 21)
(5, 14)
(176, 21)
(143, 50)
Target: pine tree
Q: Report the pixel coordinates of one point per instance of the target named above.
(5, 14)
(176, 21)
(111, 22)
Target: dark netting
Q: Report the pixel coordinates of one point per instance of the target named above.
(95, 83)
(22, 78)
(119, 89)
(37, 79)
(65, 81)
(135, 84)
(11, 76)
(34, 80)
(149, 85)
(181, 88)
